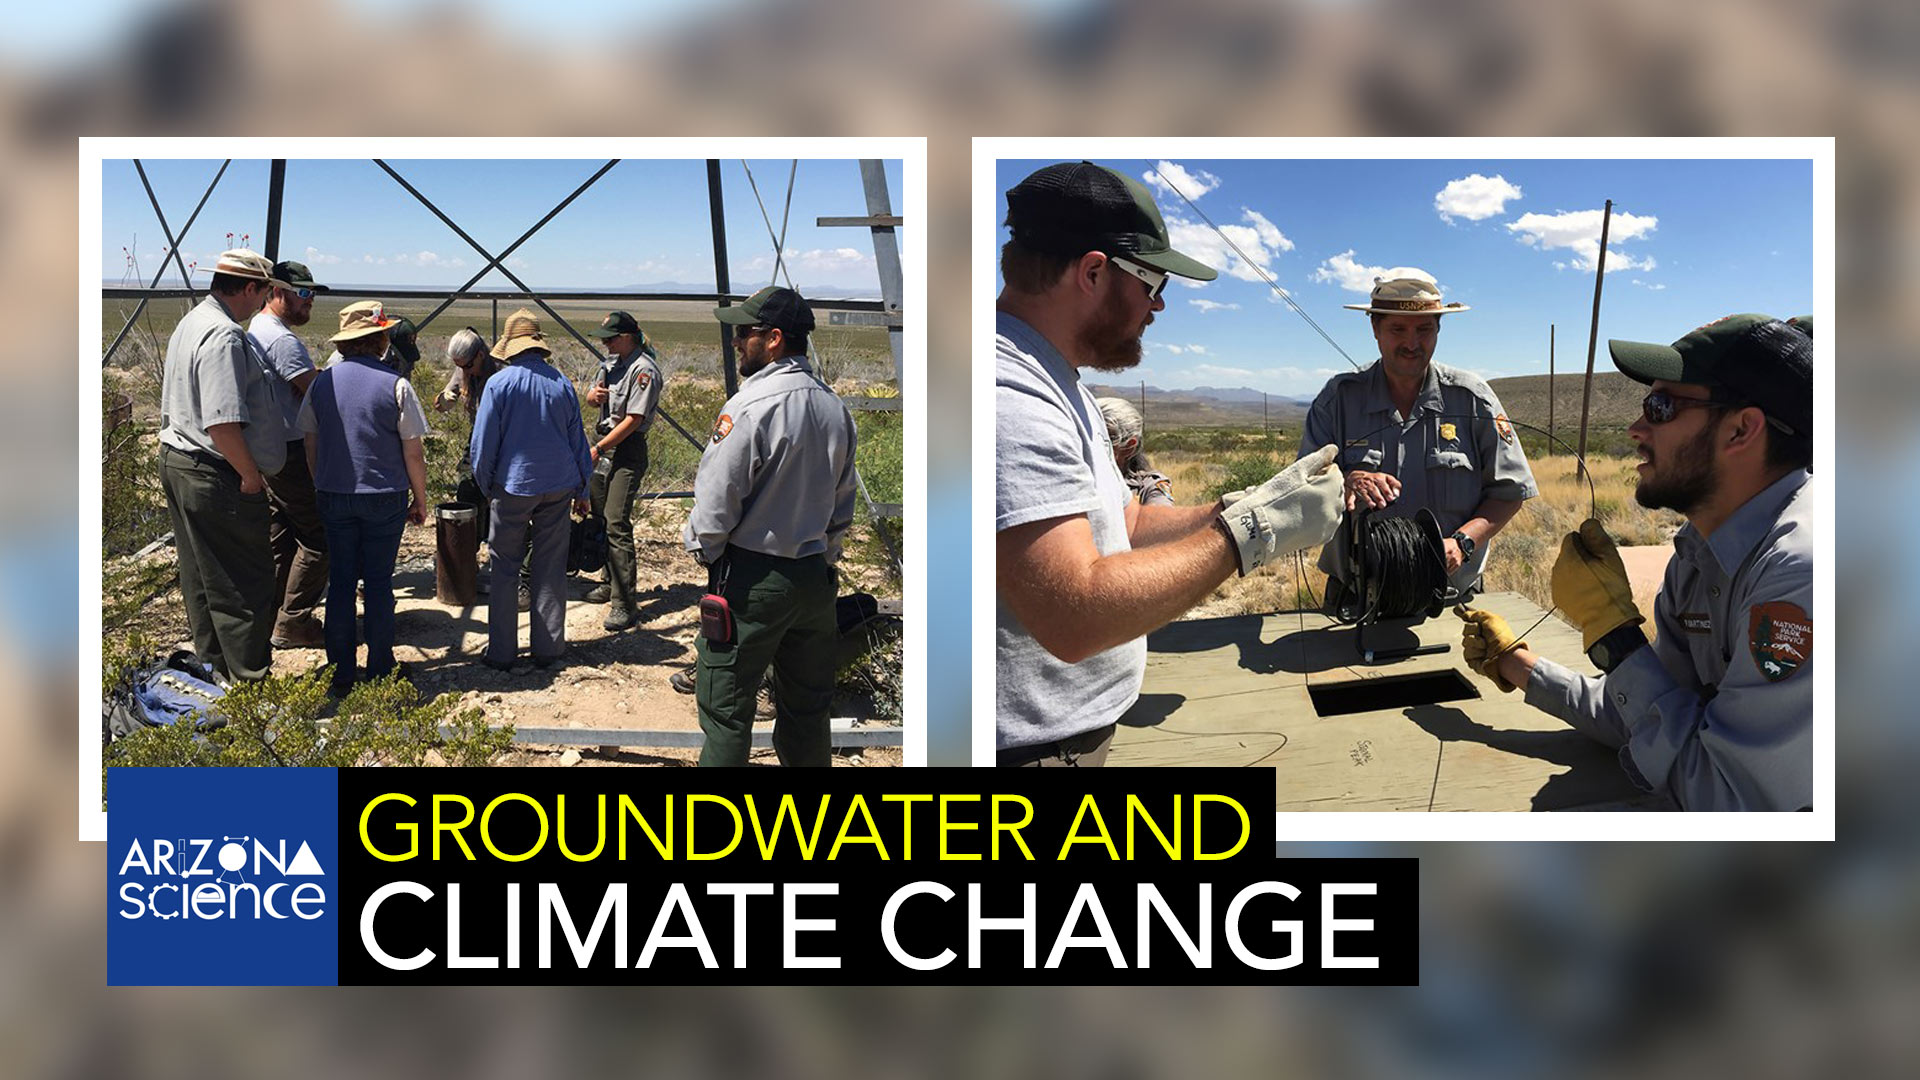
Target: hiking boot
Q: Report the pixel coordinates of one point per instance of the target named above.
(620, 618)
(682, 681)
(526, 597)
(307, 633)
(600, 594)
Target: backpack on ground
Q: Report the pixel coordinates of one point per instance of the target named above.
(161, 693)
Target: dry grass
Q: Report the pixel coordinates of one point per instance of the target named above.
(1522, 556)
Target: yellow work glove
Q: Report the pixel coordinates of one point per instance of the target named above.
(1590, 584)
(1484, 640)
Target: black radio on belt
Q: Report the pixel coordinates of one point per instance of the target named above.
(716, 617)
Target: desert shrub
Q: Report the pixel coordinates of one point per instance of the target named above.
(1244, 470)
(280, 721)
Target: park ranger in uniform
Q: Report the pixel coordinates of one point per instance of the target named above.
(223, 431)
(1414, 433)
(1716, 713)
(627, 392)
(772, 502)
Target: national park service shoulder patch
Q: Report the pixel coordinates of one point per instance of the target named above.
(722, 427)
(1781, 637)
(1504, 426)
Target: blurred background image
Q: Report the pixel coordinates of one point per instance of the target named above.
(1588, 960)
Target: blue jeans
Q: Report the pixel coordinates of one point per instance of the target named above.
(363, 539)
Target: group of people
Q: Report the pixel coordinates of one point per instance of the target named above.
(290, 483)
(1093, 553)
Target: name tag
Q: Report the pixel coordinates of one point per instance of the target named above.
(1696, 624)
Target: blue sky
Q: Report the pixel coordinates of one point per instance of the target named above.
(1690, 241)
(643, 222)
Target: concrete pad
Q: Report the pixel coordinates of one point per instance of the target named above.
(1240, 691)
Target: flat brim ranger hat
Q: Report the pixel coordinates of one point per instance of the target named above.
(1406, 290)
(1076, 206)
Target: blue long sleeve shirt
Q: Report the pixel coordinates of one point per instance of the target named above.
(527, 434)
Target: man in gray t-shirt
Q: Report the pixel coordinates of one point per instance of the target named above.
(222, 432)
(298, 538)
(1084, 570)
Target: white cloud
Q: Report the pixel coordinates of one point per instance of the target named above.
(374, 260)
(1578, 231)
(1649, 285)
(1474, 197)
(815, 261)
(1166, 176)
(1212, 305)
(316, 257)
(1260, 239)
(1348, 273)
(1178, 350)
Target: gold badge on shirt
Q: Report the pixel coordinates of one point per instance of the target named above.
(1448, 432)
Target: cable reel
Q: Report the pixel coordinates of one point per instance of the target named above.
(1399, 568)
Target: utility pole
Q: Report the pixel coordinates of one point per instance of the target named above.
(1593, 334)
(1550, 388)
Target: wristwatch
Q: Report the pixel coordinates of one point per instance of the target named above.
(1466, 545)
(1619, 643)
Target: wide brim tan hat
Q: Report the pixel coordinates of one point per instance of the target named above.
(522, 334)
(1406, 290)
(361, 319)
(241, 263)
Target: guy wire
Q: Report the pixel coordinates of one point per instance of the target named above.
(1283, 294)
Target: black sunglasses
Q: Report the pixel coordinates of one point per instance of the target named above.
(1659, 407)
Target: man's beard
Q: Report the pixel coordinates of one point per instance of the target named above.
(1683, 479)
(1107, 339)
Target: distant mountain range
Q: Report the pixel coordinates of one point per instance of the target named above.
(1209, 406)
(1615, 404)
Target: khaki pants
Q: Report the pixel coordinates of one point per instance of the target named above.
(299, 540)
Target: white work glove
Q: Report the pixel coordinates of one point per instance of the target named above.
(1299, 508)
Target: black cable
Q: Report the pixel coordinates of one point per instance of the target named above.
(1398, 559)
(1593, 497)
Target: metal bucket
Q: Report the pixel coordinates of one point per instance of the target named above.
(456, 565)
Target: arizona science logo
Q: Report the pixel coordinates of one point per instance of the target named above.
(222, 877)
(235, 877)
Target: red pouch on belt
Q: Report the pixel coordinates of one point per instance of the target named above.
(716, 619)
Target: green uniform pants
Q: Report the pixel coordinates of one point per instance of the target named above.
(226, 565)
(783, 617)
(613, 500)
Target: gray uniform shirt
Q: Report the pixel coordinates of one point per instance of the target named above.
(1151, 488)
(288, 357)
(1454, 451)
(777, 473)
(1718, 711)
(635, 393)
(214, 375)
(1052, 460)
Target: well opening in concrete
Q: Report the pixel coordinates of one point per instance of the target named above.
(1392, 692)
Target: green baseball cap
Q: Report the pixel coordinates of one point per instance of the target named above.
(615, 324)
(1076, 206)
(782, 309)
(1755, 358)
(293, 275)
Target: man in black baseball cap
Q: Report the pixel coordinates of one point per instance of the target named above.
(1084, 572)
(1717, 713)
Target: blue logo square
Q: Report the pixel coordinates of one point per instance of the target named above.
(222, 877)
